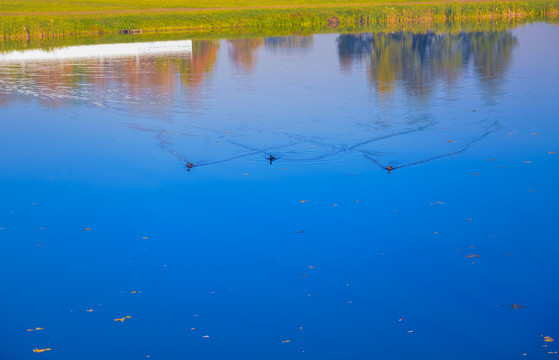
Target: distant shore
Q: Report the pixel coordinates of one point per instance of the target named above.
(22, 20)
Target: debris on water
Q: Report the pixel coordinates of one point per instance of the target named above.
(475, 173)
(300, 231)
(548, 339)
(401, 319)
(304, 274)
(491, 159)
(518, 306)
(206, 336)
(304, 201)
(122, 318)
(527, 162)
(285, 341)
(36, 329)
(472, 255)
(89, 310)
(552, 152)
(87, 229)
(36, 350)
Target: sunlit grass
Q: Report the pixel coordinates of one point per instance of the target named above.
(294, 19)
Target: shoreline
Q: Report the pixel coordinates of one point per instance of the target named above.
(299, 18)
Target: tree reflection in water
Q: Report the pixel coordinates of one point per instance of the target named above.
(411, 67)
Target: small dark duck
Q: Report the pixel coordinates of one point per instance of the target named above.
(189, 166)
(272, 159)
(389, 168)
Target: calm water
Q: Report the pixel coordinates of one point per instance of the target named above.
(318, 254)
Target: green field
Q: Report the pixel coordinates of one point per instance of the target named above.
(26, 19)
(30, 6)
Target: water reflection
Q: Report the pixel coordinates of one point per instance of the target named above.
(139, 83)
(288, 42)
(419, 61)
(244, 52)
(413, 64)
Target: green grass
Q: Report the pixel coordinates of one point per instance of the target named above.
(280, 19)
(7, 6)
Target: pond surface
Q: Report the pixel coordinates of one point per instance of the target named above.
(230, 199)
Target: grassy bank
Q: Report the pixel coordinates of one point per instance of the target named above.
(243, 33)
(64, 20)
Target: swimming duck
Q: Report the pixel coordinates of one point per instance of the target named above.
(189, 166)
(389, 168)
(272, 159)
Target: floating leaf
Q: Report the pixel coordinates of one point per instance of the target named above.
(122, 318)
(36, 329)
(547, 339)
(41, 350)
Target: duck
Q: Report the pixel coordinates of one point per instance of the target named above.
(189, 166)
(389, 168)
(272, 158)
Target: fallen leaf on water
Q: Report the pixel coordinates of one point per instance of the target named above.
(245, 174)
(89, 310)
(145, 237)
(472, 255)
(548, 339)
(285, 341)
(311, 267)
(36, 329)
(518, 306)
(527, 162)
(449, 141)
(334, 204)
(132, 292)
(534, 133)
(469, 219)
(551, 152)
(304, 201)
(122, 318)
(206, 336)
(300, 231)
(304, 274)
(475, 173)
(41, 350)
(87, 229)
(491, 159)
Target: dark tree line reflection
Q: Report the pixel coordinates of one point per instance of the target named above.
(416, 61)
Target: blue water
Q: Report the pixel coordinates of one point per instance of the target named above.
(322, 254)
